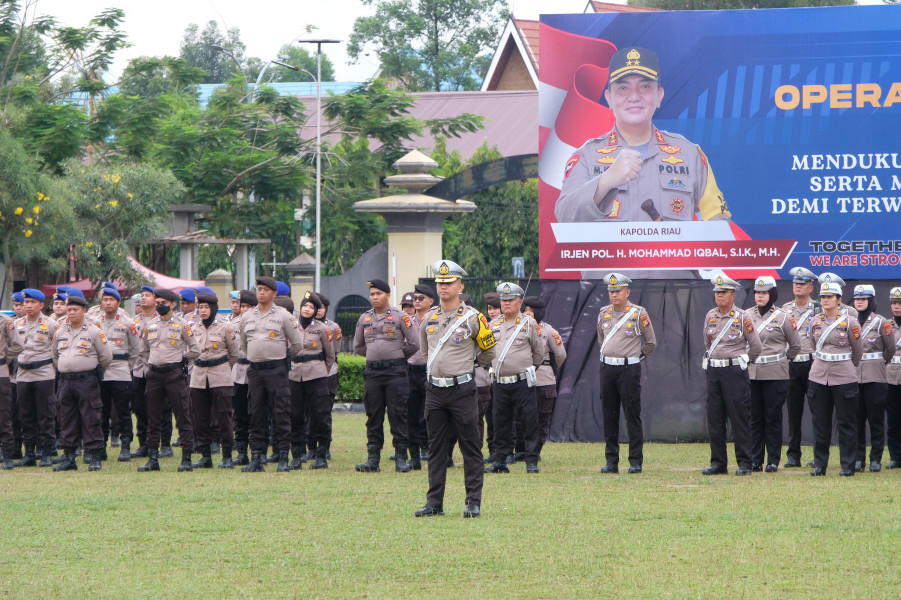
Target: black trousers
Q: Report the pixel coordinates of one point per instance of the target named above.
(547, 398)
(37, 412)
(14, 410)
(269, 391)
(871, 409)
(798, 374)
(212, 406)
(386, 390)
(80, 412)
(167, 393)
(311, 413)
(453, 413)
(139, 407)
(767, 398)
(729, 397)
(7, 439)
(515, 401)
(484, 395)
(241, 413)
(621, 387)
(118, 395)
(417, 432)
(842, 400)
(893, 422)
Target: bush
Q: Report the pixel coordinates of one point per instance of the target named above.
(350, 377)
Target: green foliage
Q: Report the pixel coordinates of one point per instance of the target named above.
(301, 57)
(54, 132)
(197, 50)
(350, 378)
(151, 77)
(430, 44)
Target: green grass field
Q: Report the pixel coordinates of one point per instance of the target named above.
(569, 532)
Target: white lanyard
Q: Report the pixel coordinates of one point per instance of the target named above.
(444, 338)
(616, 328)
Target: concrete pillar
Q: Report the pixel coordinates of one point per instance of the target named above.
(186, 261)
(220, 281)
(241, 267)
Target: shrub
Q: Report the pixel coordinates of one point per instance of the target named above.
(350, 377)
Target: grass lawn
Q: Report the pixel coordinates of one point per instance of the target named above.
(568, 532)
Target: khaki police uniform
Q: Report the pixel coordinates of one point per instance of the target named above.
(799, 374)
(116, 387)
(311, 399)
(240, 398)
(10, 347)
(878, 341)
(139, 370)
(547, 382)
(35, 385)
(211, 383)
(893, 397)
(417, 431)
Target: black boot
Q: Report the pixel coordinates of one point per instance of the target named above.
(68, 463)
(140, 452)
(114, 440)
(283, 466)
(415, 463)
(214, 448)
(311, 453)
(226, 458)
(7, 461)
(241, 459)
(166, 452)
(17, 451)
(46, 458)
(185, 465)
(273, 458)
(320, 462)
(257, 460)
(400, 460)
(371, 465)
(153, 463)
(28, 460)
(297, 452)
(94, 460)
(124, 451)
(206, 458)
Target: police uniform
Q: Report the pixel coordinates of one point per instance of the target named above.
(10, 347)
(449, 339)
(878, 341)
(625, 337)
(732, 342)
(893, 395)
(78, 352)
(241, 389)
(17, 425)
(387, 340)
(843, 308)
(416, 368)
(552, 360)
(779, 344)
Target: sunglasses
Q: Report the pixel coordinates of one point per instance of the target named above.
(418, 298)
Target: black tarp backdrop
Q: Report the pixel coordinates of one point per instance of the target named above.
(674, 398)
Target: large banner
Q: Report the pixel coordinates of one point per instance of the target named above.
(793, 116)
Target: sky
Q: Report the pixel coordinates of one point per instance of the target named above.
(156, 28)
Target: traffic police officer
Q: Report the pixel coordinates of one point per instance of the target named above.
(386, 337)
(626, 337)
(115, 389)
(801, 310)
(731, 341)
(10, 347)
(547, 380)
(80, 350)
(450, 337)
(842, 307)
(422, 298)
(893, 396)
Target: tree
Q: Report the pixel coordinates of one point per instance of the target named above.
(300, 57)
(430, 44)
(734, 4)
(151, 77)
(198, 50)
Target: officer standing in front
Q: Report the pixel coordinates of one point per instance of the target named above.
(10, 347)
(626, 337)
(79, 351)
(115, 389)
(144, 313)
(386, 337)
(547, 379)
(449, 338)
(241, 397)
(893, 395)
(731, 342)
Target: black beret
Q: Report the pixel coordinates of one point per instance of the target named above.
(312, 299)
(207, 299)
(324, 299)
(76, 300)
(493, 299)
(465, 299)
(248, 298)
(534, 302)
(379, 285)
(425, 290)
(285, 302)
(269, 282)
(165, 294)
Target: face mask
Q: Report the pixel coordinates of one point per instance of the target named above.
(163, 309)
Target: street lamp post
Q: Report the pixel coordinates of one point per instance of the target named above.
(318, 43)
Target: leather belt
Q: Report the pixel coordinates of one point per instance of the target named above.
(445, 382)
(724, 362)
(872, 356)
(802, 358)
(769, 358)
(417, 368)
(243, 361)
(305, 358)
(78, 375)
(267, 364)
(36, 365)
(546, 362)
(2, 361)
(511, 379)
(120, 357)
(212, 362)
(165, 368)
(896, 360)
(831, 357)
(385, 364)
(618, 361)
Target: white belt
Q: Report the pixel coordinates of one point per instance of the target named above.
(896, 360)
(872, 356)
(445, 382)
(611, 360)
(770, 358)
(831, 357)
(802, 358)
(724, 362)
(511, 379)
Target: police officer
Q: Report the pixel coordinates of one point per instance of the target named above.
(626, 337)
(336, 343)
(10, 347)
(801, 310)
(116, 387)
(386, 337)
(878, 340)
(268, 334)
(779, 344)
(406, 304)
(547, 380)
(79, 350)
(167, 342)
(36, 381)
(241, 390)
(422, 298)
(19, 312)
(493, 310)
(893, 395)
(145, 312)
(732, 342)
(311, 399)
(842, 307)
(520, 350)
(452, 334)
(637, 172)
(59, 304)
(833, 380)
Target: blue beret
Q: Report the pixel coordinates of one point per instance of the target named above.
(235, 294)
(202, 289)
(62, 288)
(109, 284)
(108, 291)
(282, 289)
(33, 294)
(59, 296)
(74, 293)
(147, 288)
(17, 297)
(188, 295)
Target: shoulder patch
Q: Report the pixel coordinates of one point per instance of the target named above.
(645, 322)
(749, 326)
(572, 162)
(557, 339)
(11, 325)
(538, 329)
(794, 325)
(328, 334)
(337, 334)
(102, 337)
(188, 331)
(887, 327)
(407, 321)
(855, 331)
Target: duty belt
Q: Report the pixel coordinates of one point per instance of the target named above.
(120, 357)
(445, 382)
(212, 362)
(724, 362)
(416, 368)
(35, 365)
(896, 360)
(165, 368)
(511, 379)
(304, 358)
(832, 357)
(872, 356)
(78, 375)
(546, 362)
(243, 361)
(770, 358)
(385, 364)
(267, 364)
(2, 361)
(802, 358)
(618, 361)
